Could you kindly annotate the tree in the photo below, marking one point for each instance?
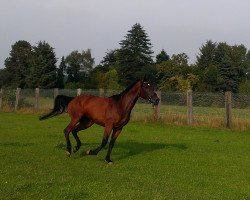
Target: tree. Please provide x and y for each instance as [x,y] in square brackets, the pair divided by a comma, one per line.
[109,59]
[87,62]
[181,83]
[60,74]
[73,65]
[4,78]
[78,67]
[43,70]
[206,56]
[221,67]
[231,62]
[18,64]
[162,56]
[134,57]
[112,80]
[176,66]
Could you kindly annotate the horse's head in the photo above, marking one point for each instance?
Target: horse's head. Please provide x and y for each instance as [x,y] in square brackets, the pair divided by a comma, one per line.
[147,92]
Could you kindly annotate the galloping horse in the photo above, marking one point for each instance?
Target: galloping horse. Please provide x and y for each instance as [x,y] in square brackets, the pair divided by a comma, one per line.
[112,113]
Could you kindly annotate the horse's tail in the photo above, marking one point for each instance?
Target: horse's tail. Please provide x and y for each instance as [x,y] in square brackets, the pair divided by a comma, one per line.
[60,105]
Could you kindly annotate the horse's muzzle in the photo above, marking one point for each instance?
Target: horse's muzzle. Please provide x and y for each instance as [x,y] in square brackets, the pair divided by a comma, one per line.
[154,101]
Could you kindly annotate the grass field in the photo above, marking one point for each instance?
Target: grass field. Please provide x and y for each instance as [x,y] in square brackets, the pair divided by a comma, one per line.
[151,161]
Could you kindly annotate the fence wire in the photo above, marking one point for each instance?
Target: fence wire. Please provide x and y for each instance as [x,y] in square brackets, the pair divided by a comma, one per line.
[208,108]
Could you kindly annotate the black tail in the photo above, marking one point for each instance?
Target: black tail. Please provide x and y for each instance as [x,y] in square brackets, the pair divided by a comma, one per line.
[60,105]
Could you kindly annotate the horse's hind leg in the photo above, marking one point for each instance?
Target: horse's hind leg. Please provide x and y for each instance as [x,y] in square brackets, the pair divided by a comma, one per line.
[84,124]
[67,131]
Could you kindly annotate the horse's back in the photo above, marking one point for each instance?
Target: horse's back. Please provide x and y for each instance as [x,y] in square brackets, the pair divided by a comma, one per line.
[93,107]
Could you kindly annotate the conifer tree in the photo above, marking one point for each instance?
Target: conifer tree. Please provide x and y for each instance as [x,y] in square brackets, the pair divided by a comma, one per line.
[134,58]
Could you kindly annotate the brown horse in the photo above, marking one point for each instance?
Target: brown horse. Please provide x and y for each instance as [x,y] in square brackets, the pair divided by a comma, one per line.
[112,113]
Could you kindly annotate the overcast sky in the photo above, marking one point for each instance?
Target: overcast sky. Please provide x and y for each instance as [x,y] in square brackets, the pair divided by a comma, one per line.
[174,25]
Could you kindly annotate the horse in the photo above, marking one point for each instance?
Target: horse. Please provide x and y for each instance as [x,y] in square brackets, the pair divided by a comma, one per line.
[113,113]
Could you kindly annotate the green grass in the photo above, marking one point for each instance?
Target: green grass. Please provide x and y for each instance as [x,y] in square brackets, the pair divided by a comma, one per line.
[151,161]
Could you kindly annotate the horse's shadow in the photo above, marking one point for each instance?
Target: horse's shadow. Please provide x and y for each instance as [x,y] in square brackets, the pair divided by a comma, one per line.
[132,148]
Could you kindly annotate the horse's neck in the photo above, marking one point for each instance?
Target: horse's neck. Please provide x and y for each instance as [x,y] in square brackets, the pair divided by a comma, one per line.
[129,99]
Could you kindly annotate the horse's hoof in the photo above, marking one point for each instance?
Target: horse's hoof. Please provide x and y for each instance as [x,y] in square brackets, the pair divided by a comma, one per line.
[88,152]
[110,163]
[68,153]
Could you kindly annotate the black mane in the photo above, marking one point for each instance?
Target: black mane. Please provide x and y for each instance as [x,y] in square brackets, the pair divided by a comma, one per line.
[118,96]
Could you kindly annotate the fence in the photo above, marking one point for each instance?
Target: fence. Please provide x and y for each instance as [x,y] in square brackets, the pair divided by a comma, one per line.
[191,108]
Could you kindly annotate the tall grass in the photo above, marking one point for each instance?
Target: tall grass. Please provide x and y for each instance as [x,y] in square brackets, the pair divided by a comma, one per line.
[213,117]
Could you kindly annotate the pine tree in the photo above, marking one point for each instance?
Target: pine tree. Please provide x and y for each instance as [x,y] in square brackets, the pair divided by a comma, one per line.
[109,59]
[134,57]
[18,63]
[162,56]
[43,70]
[60,74]
[206,55]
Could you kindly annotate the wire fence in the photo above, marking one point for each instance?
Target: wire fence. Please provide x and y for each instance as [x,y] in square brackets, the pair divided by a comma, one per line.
[206,109]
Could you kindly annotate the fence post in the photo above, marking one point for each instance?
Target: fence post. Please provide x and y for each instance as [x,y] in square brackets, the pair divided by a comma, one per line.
[36,98]
[228,107]
[56,92]
[18,90]
[101,92]
[156,108]
[189,107]
[78,91]
[1,98]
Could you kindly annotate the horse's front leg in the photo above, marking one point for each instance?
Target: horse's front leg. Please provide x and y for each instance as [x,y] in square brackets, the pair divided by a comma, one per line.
[116,133]
[105,138]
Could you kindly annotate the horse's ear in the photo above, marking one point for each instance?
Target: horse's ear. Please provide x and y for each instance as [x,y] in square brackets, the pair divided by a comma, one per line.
[144,78]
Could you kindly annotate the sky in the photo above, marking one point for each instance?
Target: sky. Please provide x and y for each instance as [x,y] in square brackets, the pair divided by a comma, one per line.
[173,25]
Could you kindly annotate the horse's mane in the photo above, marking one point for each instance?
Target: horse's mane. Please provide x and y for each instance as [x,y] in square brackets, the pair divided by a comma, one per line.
[118,96]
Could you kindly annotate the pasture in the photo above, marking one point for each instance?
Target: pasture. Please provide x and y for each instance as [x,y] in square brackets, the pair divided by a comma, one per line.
[151,161]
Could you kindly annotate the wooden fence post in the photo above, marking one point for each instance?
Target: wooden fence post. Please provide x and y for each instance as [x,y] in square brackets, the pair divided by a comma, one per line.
[56,92]
[1,98]
[101,92]
[189,107]
[228,107]
[36,98]
[18,91]
[156,109]
[78,91]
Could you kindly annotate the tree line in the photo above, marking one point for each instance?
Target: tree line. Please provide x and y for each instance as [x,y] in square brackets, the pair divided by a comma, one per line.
[219,67]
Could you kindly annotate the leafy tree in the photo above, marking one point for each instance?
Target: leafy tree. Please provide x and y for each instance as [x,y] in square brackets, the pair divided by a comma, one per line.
[162,56]
[87,62]
[112,80]
[43,70]
[134,57]
[244,88]
[79,66]
[176,66]
[181,83]
[18,63]
[73,64]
